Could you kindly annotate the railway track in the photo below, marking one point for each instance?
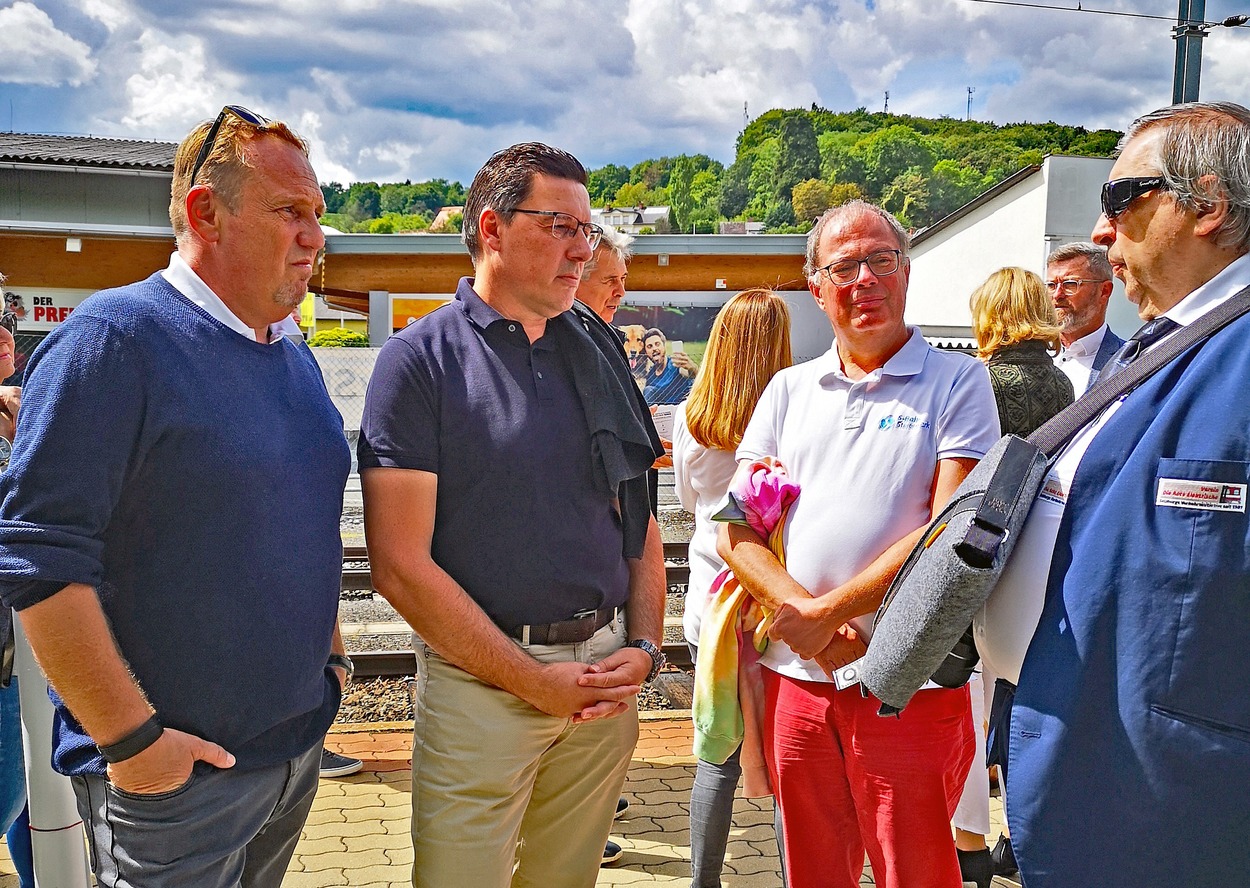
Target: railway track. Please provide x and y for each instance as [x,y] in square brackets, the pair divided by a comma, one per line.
[396,663]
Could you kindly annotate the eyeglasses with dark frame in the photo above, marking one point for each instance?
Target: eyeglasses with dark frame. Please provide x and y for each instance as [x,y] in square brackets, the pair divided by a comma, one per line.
[1069,286]
[564,226]
[882,263]
[238,111]
[1119,194]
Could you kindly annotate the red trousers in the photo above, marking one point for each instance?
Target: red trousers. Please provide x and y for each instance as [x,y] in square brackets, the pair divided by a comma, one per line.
[850,781]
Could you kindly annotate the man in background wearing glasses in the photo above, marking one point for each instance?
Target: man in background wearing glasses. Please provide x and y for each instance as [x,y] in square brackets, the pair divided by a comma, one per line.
[1128,631]
[878,432]
[1078,279]
[503,453]
[169,533]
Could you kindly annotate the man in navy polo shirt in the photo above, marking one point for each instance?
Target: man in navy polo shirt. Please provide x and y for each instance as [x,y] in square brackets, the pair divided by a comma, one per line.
[503,454]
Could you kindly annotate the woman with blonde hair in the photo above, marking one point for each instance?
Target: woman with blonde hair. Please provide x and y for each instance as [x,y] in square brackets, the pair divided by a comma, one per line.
[748,344]
[1017,332]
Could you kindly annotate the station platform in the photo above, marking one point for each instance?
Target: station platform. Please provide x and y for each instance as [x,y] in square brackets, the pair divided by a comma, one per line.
[357,833]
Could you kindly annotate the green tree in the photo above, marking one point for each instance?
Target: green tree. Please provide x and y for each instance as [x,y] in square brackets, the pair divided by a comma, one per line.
[680,201]
[604,182]
[333,194]
[907,197]
[844,192]
[798,156]
[810,198]
[951,185]
[735,188]
[364,201]
[781,214]
[889,153]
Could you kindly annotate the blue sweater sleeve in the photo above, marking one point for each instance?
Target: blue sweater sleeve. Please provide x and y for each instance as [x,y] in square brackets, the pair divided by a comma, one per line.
[79,433]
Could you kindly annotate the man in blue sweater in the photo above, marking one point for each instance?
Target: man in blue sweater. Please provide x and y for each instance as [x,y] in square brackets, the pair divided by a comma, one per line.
[181,600]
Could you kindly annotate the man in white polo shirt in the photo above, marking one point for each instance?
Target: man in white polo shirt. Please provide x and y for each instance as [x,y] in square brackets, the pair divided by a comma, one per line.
[1078,279]
[1123,615]
[878,432]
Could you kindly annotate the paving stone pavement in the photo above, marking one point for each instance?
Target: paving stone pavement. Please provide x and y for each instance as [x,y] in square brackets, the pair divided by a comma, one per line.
[357,832]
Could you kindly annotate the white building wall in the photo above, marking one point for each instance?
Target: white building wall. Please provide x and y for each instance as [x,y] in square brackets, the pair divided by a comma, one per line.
[1058,204]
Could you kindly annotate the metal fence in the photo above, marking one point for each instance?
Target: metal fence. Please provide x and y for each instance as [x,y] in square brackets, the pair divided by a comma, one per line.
[346,372]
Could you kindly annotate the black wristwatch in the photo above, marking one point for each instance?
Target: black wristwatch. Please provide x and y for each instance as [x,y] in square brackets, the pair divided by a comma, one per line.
[344,662]
[658,660]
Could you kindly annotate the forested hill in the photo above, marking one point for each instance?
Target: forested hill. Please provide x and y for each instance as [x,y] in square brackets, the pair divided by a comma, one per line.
[789,166]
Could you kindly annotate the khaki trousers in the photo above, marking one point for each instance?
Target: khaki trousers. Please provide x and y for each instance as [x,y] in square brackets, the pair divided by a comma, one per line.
[504,795]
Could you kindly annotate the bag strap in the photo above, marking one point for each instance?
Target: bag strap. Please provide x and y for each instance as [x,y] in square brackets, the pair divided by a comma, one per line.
[1005,489]
[1056,432]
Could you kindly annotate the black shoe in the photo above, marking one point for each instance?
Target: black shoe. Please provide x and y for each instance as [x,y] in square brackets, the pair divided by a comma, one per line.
[975,868]
[335,765]
[1004,857]
[622,805]
[612,854]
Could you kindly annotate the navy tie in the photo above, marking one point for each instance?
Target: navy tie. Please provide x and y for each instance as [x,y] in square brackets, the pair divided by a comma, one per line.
[1150,333]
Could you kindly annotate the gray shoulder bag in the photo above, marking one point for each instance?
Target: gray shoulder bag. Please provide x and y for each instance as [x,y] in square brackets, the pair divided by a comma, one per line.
[922,629]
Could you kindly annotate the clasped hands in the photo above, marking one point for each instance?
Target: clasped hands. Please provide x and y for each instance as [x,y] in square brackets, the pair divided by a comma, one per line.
[584,692]
[805,625]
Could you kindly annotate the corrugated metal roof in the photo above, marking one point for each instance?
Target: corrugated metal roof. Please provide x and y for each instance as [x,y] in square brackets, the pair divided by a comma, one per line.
[88,151]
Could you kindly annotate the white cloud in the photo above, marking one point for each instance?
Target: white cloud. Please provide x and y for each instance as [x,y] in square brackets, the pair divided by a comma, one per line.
[33,51]
[113,14]
[174,88]
[395,89]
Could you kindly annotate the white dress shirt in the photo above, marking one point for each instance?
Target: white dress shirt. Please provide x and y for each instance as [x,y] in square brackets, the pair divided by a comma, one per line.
[183,278]
[1077,360]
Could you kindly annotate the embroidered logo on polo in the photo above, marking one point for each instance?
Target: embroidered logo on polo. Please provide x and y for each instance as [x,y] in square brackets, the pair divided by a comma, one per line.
[903,423]
[1208,496]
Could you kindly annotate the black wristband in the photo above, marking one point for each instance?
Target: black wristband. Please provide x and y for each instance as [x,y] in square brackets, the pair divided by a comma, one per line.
[133,743]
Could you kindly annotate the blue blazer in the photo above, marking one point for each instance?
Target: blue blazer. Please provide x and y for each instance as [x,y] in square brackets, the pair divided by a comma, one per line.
[1110,345]
[1129,743]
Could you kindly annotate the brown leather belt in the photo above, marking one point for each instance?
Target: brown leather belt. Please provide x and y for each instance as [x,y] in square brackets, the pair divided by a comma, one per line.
[573,631]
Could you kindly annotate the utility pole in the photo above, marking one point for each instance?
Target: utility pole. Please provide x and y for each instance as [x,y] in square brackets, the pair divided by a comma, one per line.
[745,119]
[886,110]
[1188,35]
[971,90]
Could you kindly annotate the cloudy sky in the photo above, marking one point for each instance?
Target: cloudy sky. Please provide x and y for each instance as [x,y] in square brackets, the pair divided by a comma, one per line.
[416,89]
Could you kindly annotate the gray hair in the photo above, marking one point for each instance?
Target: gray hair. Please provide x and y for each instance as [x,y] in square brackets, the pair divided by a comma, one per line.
[613,241]
[1204,141]
[1093,254]
[840,213]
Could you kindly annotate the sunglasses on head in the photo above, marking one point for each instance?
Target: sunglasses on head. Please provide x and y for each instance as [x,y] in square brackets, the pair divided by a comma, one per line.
[238,111]
[1119,194]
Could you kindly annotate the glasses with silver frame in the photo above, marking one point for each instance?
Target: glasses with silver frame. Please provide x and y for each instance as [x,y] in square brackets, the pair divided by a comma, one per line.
[564,226]
[882,263]
[238,111]
[1069,286]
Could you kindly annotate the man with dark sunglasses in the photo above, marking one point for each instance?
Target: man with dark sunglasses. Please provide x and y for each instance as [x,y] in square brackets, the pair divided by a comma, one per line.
[503,453]
[1123,616]
[169,533]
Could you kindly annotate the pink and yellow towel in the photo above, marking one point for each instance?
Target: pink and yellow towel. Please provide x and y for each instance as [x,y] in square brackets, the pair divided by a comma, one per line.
[728,692]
